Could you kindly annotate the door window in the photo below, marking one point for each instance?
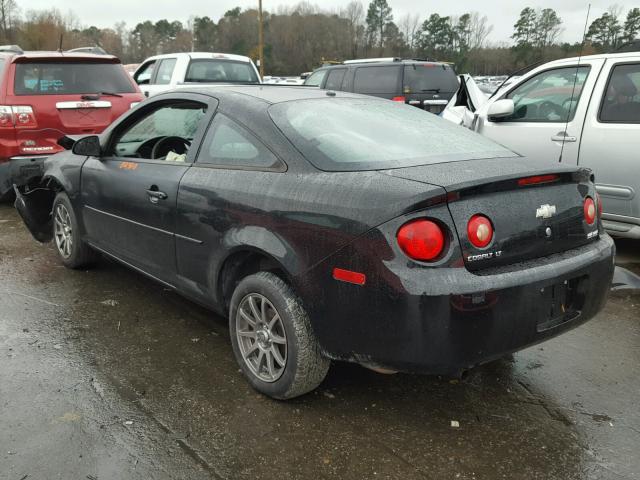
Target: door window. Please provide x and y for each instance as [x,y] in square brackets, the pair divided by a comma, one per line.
[548,97]
[165,133]
[334,79]
[315,79]
[227,144]
[380,80]
[143,77]
[165,71]
[621,103]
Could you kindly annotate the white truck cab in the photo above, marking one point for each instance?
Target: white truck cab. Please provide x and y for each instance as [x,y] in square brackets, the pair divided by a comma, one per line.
[178,70]
[583,111]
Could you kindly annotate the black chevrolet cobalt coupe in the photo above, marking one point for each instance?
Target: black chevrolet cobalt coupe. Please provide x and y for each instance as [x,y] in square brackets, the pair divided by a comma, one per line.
[331,226]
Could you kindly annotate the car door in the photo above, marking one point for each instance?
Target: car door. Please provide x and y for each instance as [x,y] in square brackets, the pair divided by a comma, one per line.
[155,76]
[548,115]
[129,194]
[611,142]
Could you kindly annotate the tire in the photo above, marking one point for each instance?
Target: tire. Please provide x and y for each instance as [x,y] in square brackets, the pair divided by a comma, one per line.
[73,252]
[294,370]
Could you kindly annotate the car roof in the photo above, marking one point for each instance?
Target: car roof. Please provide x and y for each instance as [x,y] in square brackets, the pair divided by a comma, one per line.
[196,55]
[385,63]
[268,93]
[598,56]
[17,57]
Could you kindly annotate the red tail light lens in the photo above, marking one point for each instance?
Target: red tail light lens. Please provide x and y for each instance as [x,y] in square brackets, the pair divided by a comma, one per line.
[599,202]
[17,116]
[399,99]
[421,239]
[480,231]
[589,210]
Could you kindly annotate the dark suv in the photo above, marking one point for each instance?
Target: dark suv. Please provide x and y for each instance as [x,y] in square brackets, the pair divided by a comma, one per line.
[424,84]
[45,95]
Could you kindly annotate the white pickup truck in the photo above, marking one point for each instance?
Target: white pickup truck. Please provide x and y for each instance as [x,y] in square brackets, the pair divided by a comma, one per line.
[179,70]
[582,111]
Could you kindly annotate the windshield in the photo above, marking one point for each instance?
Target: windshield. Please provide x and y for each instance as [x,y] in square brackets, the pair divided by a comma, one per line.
[62,78]
[429,78]
[346,134]
[210,70]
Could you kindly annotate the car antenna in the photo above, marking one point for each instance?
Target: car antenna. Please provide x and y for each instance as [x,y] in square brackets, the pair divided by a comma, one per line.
[573,90]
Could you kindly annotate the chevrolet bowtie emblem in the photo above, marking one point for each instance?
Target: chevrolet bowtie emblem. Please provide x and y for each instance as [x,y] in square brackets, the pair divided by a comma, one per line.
[546,211]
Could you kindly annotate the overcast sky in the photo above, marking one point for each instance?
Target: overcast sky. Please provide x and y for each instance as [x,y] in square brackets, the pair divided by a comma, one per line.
[502,14]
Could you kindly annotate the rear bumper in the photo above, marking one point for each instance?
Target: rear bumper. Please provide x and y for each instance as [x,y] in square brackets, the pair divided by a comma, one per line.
[20,170]
[446,320]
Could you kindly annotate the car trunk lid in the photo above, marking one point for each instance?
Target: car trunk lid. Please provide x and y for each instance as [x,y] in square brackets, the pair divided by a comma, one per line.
[534,213]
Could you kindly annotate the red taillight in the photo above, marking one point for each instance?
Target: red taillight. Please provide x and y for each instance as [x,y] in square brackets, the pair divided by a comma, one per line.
[398,99]
[17,116]
[599,202]
[480,231]
[537,179]
[589,210]
[421,239]
[349,276]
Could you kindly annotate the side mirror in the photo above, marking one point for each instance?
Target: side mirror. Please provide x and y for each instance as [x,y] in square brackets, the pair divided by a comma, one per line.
[500,109]
[87,146]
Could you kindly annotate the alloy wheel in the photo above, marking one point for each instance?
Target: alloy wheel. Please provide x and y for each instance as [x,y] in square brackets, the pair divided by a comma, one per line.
[261,337]
[63,233]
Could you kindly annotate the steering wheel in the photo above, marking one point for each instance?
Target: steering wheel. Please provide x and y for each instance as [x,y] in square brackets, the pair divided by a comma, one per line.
[165,145]
[547,108]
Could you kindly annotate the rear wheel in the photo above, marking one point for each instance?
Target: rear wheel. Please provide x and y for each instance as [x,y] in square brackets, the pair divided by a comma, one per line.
[73,252]
[272,338]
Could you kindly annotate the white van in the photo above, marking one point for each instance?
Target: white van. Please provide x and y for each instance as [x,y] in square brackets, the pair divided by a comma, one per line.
[177,70]
[582,111]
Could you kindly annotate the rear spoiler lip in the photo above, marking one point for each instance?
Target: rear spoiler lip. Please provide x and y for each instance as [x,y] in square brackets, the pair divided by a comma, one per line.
[465,188]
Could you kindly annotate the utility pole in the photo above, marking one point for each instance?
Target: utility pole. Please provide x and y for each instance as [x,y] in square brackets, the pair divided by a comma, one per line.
[260,39]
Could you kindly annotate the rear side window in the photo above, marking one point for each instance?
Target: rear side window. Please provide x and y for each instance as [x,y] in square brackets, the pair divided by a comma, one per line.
[315,79]
[143,76]
[348,134]
[165,71]
[224,71]
[429,78]
[621,103]
[380,80]
[334,79]
[70,78]
[228,144]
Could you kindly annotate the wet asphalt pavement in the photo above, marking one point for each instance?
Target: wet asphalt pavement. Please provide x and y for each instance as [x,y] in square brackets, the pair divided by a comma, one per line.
[106,375]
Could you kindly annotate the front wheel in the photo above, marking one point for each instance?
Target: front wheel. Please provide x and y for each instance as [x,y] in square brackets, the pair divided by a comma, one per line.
[73,252]
[272,338]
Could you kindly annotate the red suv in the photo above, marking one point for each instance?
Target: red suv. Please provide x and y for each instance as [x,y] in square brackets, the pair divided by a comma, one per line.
[45,95]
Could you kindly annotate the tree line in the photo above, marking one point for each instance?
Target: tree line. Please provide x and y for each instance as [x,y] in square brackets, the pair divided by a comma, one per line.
[302,37]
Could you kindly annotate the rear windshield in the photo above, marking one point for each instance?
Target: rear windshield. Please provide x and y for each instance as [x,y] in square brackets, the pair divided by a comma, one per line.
[70,78]
[429,78]
[346,134]
[224,71]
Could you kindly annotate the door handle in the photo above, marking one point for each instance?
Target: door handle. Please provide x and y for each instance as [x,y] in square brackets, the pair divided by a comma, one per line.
[563,137]
[155,194]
